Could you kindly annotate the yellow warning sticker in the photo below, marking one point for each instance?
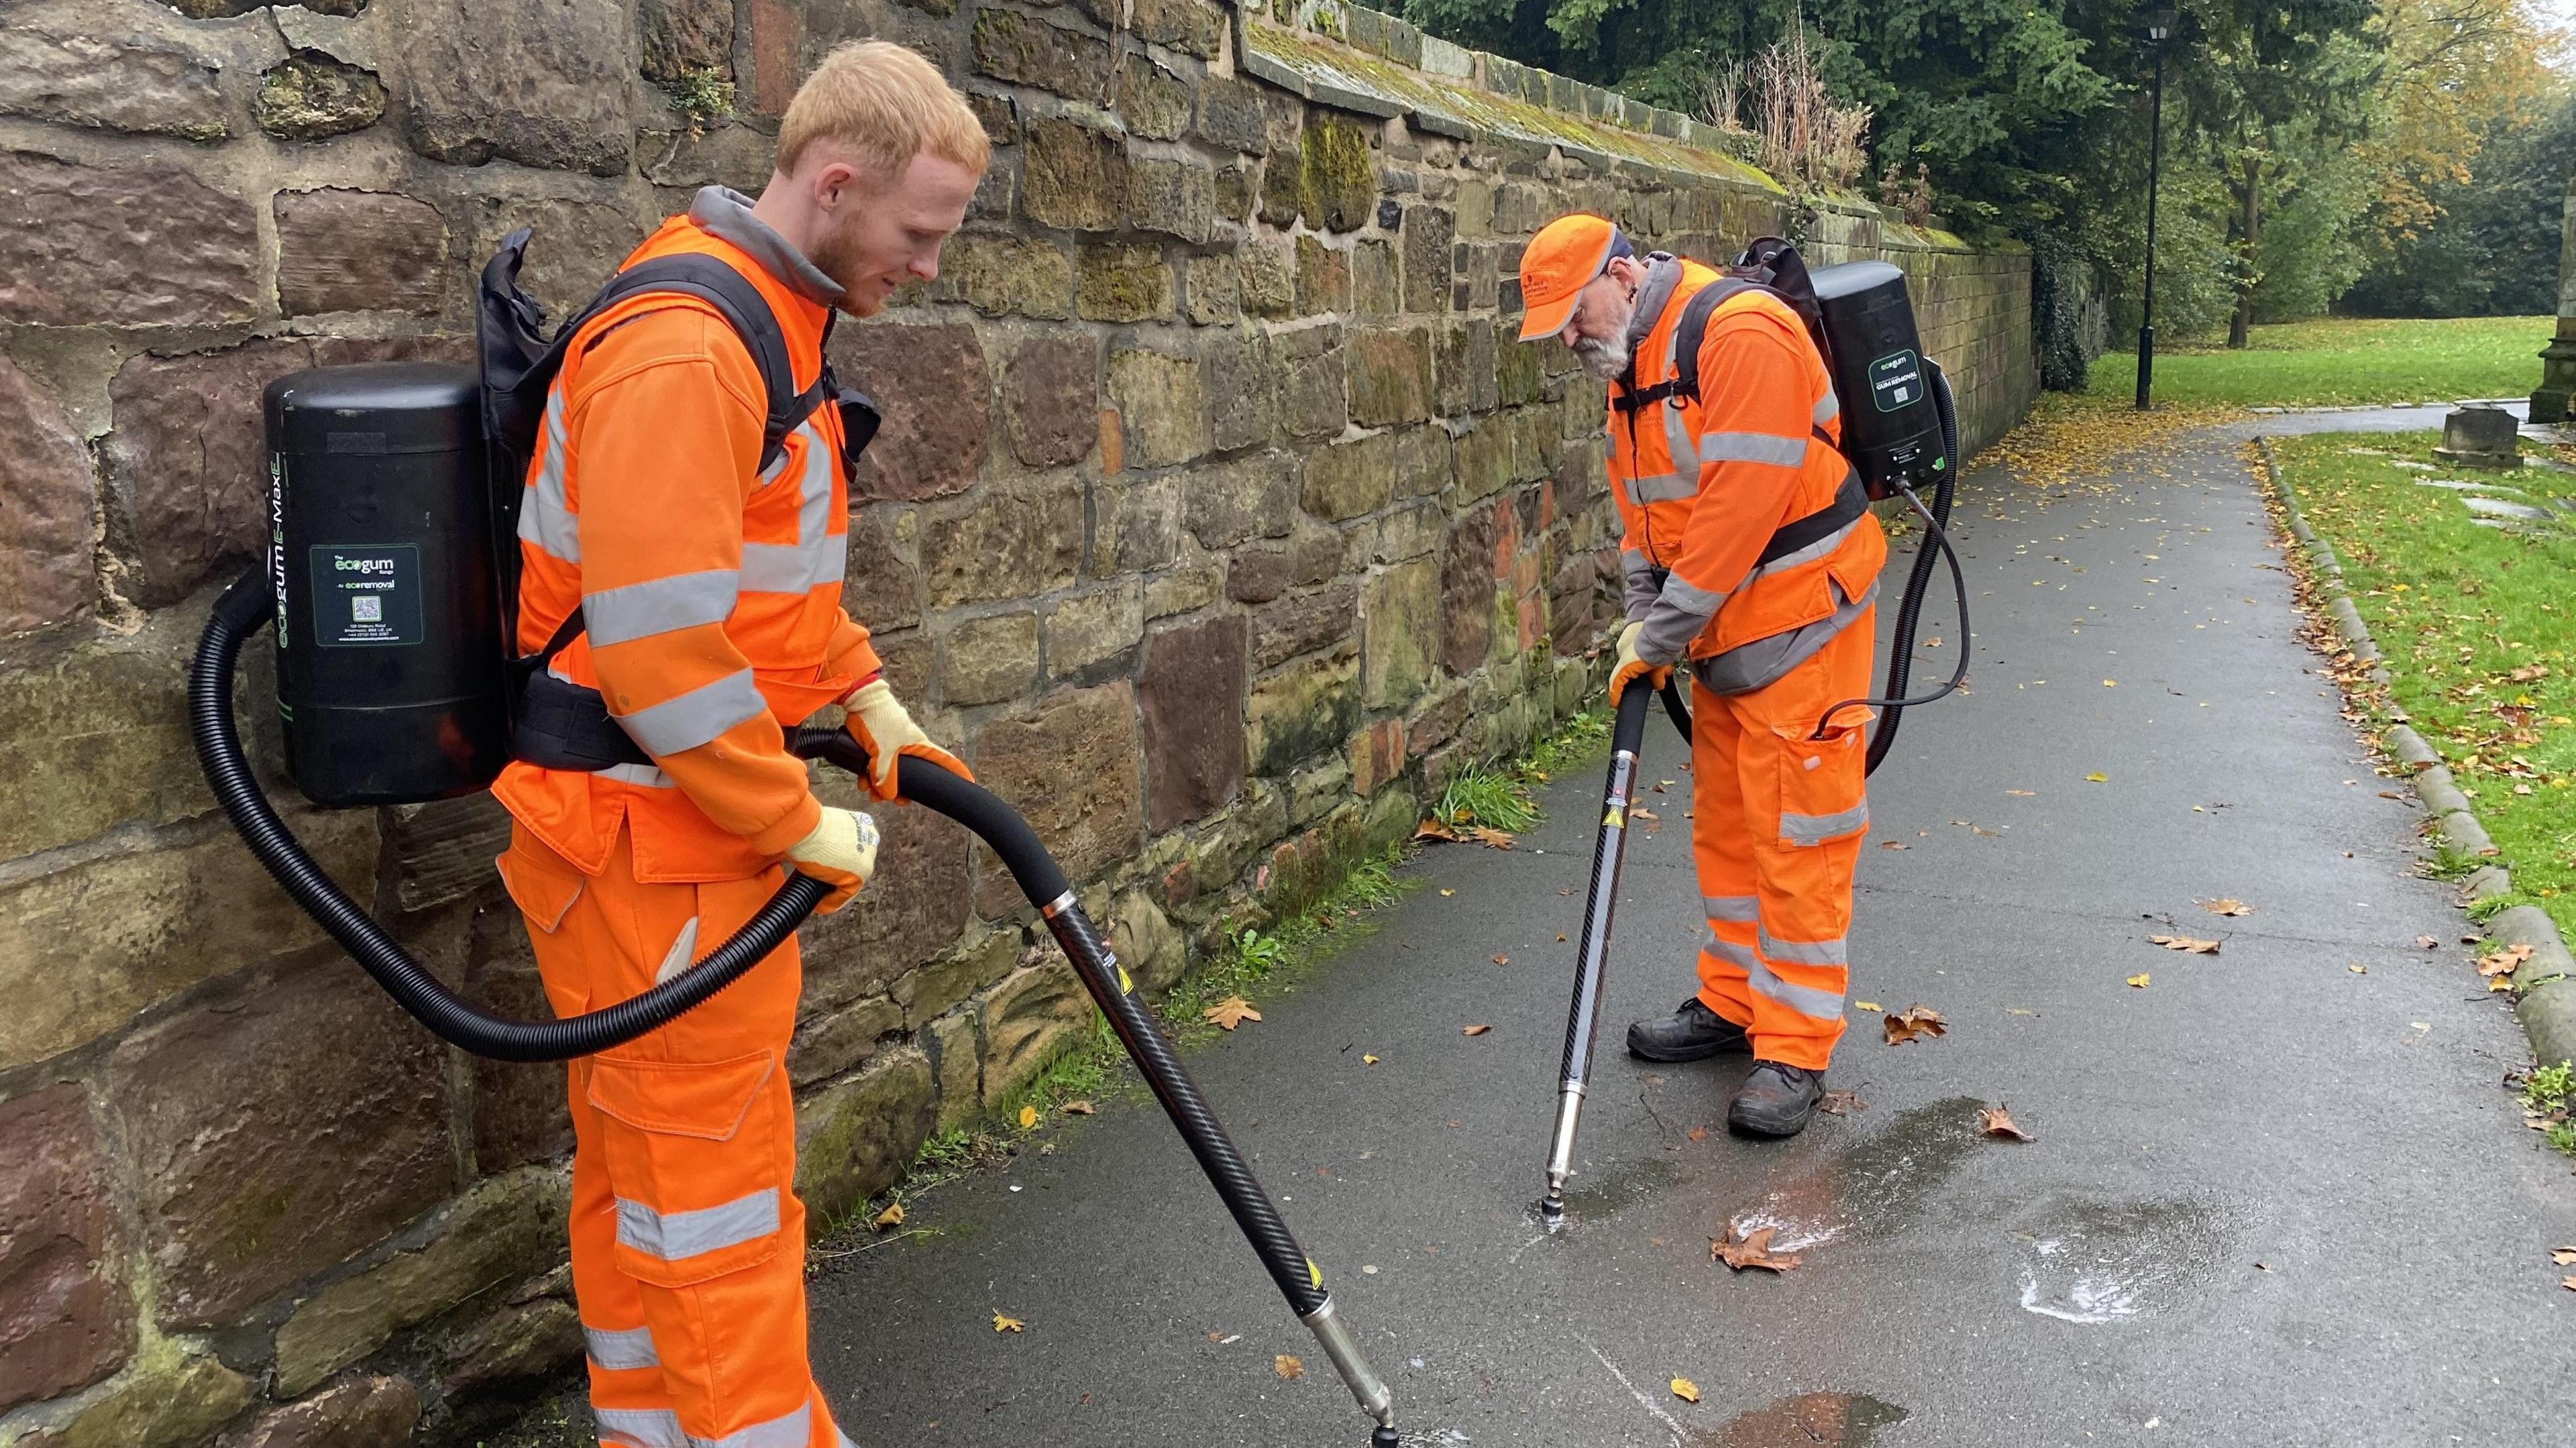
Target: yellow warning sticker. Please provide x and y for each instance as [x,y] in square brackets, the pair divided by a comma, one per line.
[1615,819]
[1314,1274]
[1126,986]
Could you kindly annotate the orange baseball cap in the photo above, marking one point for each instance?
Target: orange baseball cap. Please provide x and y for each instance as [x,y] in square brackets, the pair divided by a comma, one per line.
[1560,261]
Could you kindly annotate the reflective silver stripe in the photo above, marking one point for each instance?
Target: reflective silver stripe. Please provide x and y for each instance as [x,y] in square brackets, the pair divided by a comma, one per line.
[647,775]
[1729,907]
[1663,488]
[1798,829]
[1827,408]
[1792,952]
[640,1427]
[659,606]
[818,556]
[1752,447]
[1821,548]
[1634,560]
[788,1430]
[794,567]
[1822,1005]
[546,517]
[673,1236]
[1692,599]
[1732,953]
[814,505]
[619,1350]
[697,716]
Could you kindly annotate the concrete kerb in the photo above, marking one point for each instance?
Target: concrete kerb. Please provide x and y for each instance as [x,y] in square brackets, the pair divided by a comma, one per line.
[2545,984]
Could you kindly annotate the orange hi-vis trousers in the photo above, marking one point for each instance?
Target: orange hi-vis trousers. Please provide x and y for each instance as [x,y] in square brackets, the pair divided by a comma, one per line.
[1777,821]
[688,1242]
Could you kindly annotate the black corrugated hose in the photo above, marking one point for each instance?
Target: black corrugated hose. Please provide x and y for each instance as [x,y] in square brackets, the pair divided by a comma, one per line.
[1043,882]
[242,610]
[1909,611]
[248,605]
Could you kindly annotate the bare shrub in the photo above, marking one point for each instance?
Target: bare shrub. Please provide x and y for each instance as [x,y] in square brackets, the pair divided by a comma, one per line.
[1802,136]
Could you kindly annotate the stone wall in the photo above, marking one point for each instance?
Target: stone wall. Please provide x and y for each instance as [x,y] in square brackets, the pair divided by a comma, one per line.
[1216,519]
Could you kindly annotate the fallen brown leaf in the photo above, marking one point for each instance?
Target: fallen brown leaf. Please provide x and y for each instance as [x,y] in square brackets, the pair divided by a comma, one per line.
[2187,944]
[1473,1030]
[1751,1250]
[1008,1324]
[2023,793]
[2427,942]
[1492,838]
[1232,1012]
[1996,1120]
[1434,829]
[1502,959]
[1917,1020]
[1287,1366]
[1697,1133]
[2141,980]
[1028,1117]
[2563,1256]
[1841,1103]
[1079,1108]
[1644,814]
[1894,845]
[2503,962]
[2224,906]
[892,1216]
[1686,1390]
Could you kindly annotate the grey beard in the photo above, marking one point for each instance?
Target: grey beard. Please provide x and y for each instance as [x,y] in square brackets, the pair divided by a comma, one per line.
[1604,360]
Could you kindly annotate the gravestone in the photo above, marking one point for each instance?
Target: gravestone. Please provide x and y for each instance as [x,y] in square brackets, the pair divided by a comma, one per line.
[2480,437]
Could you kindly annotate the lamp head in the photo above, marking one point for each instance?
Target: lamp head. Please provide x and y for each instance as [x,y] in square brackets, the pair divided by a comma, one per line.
[2160,25]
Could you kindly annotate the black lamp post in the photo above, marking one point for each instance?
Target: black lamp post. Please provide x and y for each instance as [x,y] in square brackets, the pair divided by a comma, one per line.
[2160,27]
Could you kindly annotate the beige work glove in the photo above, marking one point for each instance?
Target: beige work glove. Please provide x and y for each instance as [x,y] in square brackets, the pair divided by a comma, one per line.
[1631,668]
[841,851]
[878,721]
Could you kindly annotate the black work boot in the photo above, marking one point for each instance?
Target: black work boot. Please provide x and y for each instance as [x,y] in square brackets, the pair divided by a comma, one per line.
[1776,1100]
[1693,1033]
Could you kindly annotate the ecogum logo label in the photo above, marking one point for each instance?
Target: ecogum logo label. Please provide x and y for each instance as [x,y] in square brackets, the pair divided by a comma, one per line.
[363,565]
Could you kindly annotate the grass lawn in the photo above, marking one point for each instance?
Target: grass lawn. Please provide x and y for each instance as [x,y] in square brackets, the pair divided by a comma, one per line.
[2335,360]
[2478,626]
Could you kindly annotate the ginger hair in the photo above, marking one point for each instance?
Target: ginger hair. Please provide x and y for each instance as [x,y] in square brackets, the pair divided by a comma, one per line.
[885,105]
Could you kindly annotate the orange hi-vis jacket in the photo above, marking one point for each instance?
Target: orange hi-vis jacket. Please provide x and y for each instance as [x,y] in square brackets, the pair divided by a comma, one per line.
[1702,485]
[710,589]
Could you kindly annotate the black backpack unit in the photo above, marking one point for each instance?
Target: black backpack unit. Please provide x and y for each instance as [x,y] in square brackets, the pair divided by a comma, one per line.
[556,724]
[1862,324]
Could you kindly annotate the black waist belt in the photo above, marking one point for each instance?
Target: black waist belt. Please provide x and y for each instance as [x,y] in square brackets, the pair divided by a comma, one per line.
[563,725]
[1850,501]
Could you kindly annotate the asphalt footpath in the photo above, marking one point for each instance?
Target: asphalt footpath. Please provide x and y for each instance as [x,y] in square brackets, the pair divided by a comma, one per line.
[2278,1194]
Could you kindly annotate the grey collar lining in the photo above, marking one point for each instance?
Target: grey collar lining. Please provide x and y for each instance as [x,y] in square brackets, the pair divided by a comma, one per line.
[726,213]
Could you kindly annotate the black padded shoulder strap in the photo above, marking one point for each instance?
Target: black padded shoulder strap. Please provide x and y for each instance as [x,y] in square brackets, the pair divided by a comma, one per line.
[1693,328]
[705,277]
